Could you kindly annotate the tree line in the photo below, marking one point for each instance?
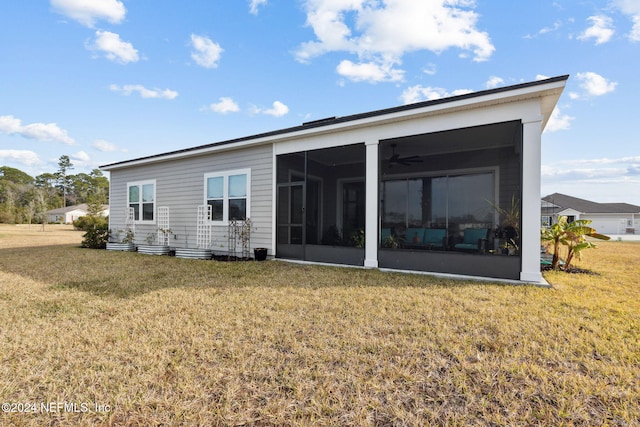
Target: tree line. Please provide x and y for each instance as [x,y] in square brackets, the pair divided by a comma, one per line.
[25,199]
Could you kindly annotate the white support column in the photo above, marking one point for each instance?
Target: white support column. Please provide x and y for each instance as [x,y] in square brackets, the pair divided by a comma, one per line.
[371,216]
[530,234]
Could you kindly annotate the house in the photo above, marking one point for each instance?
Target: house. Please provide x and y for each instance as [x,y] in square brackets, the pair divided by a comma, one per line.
[606,218]
[415,187]
[69,214]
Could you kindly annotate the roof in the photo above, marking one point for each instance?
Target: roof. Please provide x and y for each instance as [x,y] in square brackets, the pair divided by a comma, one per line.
[526,90]
[562,201]
[81,207]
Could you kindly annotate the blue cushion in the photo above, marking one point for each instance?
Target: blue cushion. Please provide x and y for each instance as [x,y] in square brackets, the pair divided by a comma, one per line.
[472,235]
[434,236]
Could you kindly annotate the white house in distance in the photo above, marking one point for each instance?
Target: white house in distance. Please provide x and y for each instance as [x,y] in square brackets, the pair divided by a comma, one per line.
[606,218]
[70,213]
[408,188]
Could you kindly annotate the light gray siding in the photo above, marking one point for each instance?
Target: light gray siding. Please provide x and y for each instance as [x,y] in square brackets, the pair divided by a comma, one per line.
[180,187]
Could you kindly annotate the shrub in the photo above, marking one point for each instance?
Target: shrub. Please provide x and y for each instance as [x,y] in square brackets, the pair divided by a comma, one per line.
[96,230]
[84,222]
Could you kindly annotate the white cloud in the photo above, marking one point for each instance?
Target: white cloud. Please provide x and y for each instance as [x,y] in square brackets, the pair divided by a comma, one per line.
[226,105]
[541,77]
[114,49]
[603,161]
[381,33]
[420,93]
[556,26]
[601,29]
[494,82]
[631,8]
[634,35]
[594,84]
[605,179]
[38,131]
[558,121]
[206,53]
[88,12]
[144,92]
[106,146]
[430,70]
[369,72]
[80,157]
[23,157]
[254,4]
[278,110]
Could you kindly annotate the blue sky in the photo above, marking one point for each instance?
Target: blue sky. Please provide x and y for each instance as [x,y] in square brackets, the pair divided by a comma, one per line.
[110,80]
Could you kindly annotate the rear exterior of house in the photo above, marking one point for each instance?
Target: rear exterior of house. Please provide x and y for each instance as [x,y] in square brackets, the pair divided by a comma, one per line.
[448,186]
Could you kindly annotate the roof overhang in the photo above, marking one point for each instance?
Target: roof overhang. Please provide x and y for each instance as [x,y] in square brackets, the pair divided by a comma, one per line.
[548,91]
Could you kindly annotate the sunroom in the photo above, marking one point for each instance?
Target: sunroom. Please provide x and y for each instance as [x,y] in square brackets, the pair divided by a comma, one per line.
[443,200]
[450,201]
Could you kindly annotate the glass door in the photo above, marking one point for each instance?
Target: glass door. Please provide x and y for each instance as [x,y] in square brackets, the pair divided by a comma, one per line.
[290,222]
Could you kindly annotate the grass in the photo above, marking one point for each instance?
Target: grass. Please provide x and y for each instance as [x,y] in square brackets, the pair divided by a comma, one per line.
[166,341]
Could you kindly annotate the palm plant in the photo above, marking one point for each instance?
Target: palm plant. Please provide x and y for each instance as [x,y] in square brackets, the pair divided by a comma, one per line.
[576,241]
[573,235]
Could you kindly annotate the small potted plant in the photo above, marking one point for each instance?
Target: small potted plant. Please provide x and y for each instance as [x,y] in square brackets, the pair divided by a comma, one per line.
[260,254]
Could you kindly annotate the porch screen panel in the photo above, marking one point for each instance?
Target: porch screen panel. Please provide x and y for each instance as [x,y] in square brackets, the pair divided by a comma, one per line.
[469,200]
[451,202]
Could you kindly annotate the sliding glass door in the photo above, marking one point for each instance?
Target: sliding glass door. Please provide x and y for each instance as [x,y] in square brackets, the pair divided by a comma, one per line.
[321,204]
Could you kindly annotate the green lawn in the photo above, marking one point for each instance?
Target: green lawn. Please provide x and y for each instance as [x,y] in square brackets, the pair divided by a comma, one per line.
[129,339]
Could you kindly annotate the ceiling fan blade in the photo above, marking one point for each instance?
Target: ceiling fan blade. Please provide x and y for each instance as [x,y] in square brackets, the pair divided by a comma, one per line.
[404,161]
[411,158]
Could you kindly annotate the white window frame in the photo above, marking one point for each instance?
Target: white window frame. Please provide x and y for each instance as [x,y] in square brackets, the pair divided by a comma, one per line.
[225,198]
[140,202]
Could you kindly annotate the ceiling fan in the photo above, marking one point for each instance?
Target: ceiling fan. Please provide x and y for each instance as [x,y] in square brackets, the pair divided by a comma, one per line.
[403,161]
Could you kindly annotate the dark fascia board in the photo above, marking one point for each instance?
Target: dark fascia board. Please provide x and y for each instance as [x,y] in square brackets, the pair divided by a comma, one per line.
[336,120]
[562,201]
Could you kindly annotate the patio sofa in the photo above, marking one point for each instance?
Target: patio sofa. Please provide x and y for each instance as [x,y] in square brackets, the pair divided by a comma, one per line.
[425,238]
[474,240]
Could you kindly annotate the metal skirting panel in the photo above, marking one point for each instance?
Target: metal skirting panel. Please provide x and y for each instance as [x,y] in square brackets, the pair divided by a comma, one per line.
[498,266]
[322,253]
[335,254]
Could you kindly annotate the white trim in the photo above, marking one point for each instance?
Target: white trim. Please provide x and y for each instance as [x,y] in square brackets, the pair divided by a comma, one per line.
[140,202]
[274,196]
[546,95]
[225,189]
[530,212]
[372,202]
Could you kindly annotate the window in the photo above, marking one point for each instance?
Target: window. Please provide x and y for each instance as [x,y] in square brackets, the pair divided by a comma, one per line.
[228,194]
[141,197]
[449,202]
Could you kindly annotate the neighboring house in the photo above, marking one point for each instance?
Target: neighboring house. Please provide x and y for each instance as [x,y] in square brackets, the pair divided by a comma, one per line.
[606,218]
[71,213]
[408,188]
